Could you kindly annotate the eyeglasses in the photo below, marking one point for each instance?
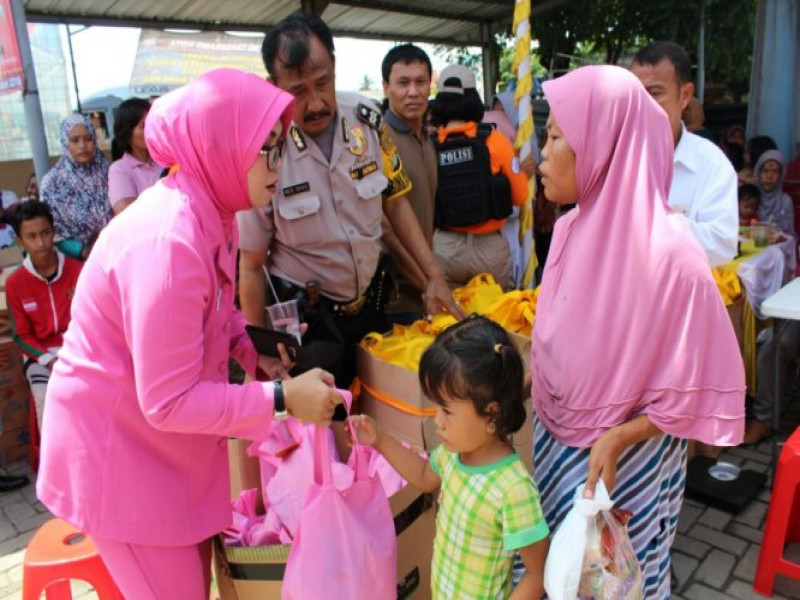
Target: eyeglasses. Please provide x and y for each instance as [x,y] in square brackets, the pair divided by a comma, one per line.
[273,153]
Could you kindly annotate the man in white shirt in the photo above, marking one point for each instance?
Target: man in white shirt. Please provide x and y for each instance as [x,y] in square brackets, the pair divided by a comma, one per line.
[703,182]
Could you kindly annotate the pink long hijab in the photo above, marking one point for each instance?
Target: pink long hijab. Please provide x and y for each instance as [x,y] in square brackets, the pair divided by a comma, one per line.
[629,319]
[213,128]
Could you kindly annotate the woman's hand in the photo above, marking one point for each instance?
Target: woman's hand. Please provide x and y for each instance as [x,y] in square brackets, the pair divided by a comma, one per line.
[311,396]
[775,234]
[364,429]
[603,461]
[610,445]
[276,368]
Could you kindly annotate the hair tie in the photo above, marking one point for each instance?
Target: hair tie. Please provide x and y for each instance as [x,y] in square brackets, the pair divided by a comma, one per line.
[498,349]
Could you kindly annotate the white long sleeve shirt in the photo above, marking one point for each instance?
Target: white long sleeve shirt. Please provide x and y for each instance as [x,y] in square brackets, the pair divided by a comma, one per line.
[704,190]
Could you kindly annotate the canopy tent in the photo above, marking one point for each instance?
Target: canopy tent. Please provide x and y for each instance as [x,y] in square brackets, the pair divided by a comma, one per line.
[454,23]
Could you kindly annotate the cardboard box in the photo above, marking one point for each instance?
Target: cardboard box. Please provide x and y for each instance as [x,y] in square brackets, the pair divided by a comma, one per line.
[256,573]
[391,395]
[11,371]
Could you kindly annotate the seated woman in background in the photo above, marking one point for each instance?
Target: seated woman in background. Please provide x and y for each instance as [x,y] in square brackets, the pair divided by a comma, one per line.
[76,188]
[753,149]
[132,171]
[479,180]
[775,207]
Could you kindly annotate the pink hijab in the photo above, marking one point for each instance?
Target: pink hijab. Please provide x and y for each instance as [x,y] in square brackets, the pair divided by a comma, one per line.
[629,319]
[213,128]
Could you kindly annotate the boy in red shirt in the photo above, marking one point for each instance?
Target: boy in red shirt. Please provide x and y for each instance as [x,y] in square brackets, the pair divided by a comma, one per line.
[39,295]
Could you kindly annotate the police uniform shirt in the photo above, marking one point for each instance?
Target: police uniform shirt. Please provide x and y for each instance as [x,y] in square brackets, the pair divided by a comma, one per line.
[420,164]
[325,221]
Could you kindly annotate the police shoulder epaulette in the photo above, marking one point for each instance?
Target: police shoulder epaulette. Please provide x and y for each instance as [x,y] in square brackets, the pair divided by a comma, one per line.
[297,138]
[369,115]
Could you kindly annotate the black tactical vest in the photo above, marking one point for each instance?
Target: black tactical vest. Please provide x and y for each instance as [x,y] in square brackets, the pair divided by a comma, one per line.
[468,193]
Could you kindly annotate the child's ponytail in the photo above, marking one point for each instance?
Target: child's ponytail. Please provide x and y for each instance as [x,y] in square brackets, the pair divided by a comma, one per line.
[511,416]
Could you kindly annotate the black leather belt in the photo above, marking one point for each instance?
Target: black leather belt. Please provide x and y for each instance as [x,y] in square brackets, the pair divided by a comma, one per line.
[339,309]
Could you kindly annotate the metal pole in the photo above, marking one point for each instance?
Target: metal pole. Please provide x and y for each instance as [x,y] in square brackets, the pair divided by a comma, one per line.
[488,60]
[72,66]
[30,95]
[701,54]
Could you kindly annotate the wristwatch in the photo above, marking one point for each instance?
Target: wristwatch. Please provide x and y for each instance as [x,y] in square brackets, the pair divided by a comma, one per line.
[277,396]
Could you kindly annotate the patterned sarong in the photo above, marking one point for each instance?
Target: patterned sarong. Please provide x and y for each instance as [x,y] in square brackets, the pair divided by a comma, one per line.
[650,481]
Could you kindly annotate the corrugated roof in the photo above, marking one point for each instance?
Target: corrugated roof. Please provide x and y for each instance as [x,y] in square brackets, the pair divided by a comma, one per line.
[454,22]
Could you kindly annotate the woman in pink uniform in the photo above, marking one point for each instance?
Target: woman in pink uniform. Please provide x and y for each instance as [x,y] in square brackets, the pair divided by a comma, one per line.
[139,405]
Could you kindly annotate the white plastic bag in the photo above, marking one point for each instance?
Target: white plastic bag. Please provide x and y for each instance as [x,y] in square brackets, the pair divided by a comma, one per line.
[591,555]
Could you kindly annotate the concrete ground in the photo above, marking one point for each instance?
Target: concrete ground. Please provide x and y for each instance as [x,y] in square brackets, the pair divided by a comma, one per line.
[714,555]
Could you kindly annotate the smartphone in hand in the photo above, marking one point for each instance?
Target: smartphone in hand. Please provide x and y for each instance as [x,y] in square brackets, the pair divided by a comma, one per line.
[266,341]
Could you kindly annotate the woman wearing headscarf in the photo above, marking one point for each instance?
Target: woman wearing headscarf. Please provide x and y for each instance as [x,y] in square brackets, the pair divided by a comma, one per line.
[139,406]
[632,352]
[505,121]
[775,207]
[76,188]
[753,149]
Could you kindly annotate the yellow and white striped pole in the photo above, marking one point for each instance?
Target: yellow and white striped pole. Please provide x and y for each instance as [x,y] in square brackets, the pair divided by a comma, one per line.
[525,133]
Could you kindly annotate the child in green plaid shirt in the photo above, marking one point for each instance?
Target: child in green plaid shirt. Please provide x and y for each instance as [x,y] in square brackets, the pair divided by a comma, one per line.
[489,505]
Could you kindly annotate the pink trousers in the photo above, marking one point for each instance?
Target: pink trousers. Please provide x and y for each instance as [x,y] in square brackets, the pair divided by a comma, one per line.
[158,572]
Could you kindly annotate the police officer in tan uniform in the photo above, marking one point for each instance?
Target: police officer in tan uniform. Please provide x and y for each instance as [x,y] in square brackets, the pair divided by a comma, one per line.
[340,177]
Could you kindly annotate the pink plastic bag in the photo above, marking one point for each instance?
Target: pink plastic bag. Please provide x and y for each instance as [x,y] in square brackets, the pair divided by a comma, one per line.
[244,517]
[345,547]
[286,489]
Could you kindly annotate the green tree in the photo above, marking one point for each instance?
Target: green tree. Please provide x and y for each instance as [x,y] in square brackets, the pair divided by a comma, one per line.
[610,31]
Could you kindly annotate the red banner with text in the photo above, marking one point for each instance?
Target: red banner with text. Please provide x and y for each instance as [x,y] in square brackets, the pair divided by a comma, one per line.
[11,75]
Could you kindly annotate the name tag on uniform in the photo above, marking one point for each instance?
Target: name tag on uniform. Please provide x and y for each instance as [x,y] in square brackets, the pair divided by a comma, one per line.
[363,171]
[298,188]
[30,305]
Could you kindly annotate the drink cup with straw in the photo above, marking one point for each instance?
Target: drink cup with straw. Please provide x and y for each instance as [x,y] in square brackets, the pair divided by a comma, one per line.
[283,316]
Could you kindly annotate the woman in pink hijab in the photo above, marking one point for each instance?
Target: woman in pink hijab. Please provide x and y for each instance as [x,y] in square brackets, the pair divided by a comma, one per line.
[633,352]
[134,448]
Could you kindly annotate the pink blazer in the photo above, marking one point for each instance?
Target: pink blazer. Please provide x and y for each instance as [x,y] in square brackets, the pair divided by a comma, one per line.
[138,408]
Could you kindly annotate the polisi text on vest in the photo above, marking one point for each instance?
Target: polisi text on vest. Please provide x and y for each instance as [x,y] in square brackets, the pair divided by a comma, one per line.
[455,156]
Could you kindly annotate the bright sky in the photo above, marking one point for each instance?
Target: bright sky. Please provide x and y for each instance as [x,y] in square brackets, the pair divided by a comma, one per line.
[104,58]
